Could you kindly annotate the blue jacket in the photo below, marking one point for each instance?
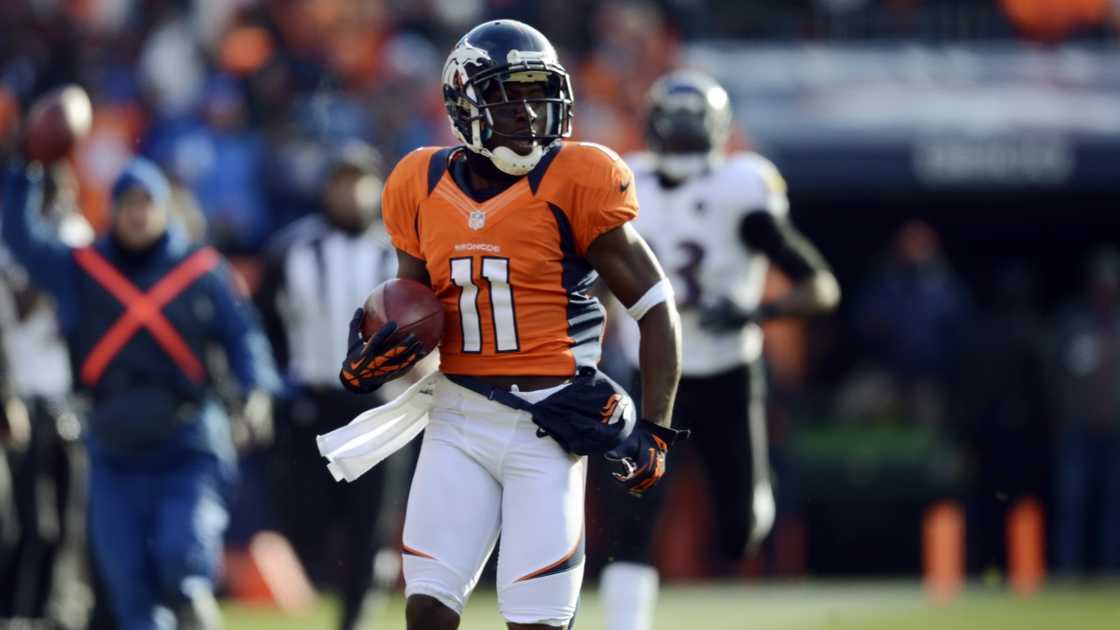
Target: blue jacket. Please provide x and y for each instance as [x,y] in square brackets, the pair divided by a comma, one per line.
[145,411]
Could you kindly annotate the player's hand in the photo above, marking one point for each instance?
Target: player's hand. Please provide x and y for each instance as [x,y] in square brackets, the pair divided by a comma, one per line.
[726,316]
[643,455]
[370,364]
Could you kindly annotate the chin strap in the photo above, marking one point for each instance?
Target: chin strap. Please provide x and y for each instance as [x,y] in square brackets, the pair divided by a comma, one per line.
[513,163]
[504,159]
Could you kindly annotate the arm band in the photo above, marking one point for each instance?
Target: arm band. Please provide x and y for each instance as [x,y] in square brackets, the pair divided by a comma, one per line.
[658,293]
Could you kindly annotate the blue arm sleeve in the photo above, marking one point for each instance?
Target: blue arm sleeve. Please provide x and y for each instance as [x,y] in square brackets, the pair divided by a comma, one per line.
[247,348]
[35,243]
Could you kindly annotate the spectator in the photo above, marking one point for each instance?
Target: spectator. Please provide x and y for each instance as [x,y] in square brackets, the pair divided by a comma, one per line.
[1087,388]
[912,317]
[139,310]
[219,158]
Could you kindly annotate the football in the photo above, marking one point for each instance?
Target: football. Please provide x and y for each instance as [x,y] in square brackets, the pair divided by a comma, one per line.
[414,307]
[56,121]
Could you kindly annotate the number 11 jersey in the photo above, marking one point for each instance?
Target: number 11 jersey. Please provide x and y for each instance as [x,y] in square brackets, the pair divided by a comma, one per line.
[510,272]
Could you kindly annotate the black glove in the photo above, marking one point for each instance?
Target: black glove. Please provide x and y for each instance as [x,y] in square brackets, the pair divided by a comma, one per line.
[643,455]
[726,316]
[369,365]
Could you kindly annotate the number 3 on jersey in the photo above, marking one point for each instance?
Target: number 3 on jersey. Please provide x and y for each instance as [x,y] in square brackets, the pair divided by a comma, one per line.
[495,271]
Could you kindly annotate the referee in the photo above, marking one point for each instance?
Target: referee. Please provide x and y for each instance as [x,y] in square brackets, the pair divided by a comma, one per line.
[319,270]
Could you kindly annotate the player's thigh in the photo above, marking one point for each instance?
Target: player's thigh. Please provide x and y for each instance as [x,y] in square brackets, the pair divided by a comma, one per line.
[190,522]
[725,445]
[396,473]
[540,563]
[452,519]
[722,440]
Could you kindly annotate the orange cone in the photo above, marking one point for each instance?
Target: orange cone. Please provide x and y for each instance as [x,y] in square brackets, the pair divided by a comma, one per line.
[269,573]
[1026,546]
[943,551]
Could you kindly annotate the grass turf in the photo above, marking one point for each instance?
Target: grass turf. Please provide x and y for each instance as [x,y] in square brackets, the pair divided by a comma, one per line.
[785,606]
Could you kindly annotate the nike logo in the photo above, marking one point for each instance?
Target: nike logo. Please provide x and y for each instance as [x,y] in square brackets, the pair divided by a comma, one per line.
[623,187]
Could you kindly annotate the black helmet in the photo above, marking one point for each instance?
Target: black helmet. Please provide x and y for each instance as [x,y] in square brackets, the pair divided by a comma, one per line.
[475,79]
[688,123]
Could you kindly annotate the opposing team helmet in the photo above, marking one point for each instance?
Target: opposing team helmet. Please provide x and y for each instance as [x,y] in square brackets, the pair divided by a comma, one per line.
[688,123]
[475,80]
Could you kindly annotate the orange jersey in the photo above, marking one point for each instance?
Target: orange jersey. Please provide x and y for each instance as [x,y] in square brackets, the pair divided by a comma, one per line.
[510,271]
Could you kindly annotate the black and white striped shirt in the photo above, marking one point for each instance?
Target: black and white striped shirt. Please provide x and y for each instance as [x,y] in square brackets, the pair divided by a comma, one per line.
[317,275]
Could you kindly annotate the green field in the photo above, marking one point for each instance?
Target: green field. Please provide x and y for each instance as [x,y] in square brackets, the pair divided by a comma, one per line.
[788,606]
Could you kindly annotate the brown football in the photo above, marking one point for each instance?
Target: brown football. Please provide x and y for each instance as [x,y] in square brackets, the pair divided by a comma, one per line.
[414,307]
[57,120]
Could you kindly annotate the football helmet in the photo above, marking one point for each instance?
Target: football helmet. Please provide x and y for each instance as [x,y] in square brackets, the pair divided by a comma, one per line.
[687,124]
[513,127]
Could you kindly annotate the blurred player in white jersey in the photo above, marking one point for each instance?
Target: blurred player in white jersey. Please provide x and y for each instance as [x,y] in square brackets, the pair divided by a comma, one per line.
[715,221]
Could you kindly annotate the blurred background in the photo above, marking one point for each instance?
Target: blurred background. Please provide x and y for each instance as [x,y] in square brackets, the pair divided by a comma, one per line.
[956,161]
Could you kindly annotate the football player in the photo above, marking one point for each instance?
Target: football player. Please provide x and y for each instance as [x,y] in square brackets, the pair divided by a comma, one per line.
[510,229]
[716,221]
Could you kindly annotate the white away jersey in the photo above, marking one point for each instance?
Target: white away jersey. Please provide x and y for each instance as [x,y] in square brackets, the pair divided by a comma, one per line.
[694,229]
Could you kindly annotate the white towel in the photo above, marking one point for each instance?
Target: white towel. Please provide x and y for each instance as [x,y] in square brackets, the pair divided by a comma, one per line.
[379,432]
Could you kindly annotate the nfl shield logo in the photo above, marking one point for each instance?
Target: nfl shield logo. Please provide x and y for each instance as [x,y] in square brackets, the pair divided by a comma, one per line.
[477,220]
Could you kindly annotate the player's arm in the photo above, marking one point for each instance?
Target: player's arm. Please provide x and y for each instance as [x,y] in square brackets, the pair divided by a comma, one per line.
[370,363]
[412,268]
[628,267]
[814,291]
[603,204]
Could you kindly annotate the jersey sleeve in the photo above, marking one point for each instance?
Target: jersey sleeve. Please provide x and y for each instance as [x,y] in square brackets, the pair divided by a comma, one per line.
[400,201]
[762,183]
[604,196]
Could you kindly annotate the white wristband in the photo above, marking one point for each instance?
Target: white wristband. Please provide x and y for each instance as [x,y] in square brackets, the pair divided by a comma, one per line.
[658,293]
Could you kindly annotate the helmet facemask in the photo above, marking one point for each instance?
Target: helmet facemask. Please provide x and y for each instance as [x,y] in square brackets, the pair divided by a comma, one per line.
[511,113]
